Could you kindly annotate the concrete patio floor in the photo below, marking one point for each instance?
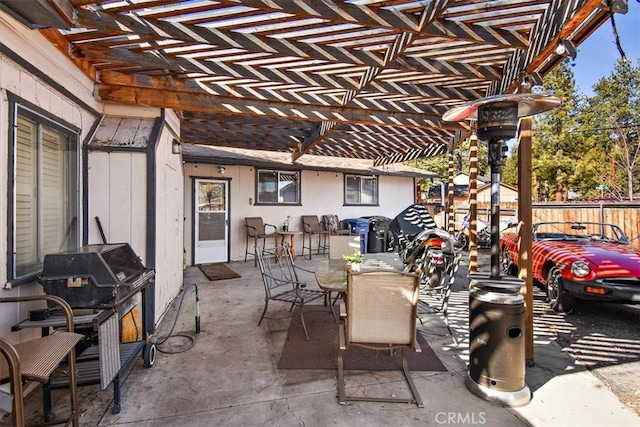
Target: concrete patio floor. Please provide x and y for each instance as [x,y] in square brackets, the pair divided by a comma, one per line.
[230,376]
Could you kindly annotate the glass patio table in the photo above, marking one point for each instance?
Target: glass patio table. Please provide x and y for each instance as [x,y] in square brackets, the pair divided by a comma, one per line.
[331,275]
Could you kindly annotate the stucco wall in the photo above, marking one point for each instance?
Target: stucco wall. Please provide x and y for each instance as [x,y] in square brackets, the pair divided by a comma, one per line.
[322,193]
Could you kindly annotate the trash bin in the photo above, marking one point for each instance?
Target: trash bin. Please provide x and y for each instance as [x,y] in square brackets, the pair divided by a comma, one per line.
[359,226]
[497,364]
[377,237]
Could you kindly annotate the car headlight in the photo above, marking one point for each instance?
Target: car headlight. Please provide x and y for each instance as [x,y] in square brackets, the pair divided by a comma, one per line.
[580,269]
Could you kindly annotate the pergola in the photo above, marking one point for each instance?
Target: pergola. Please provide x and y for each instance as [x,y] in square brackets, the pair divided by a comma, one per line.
[364,79]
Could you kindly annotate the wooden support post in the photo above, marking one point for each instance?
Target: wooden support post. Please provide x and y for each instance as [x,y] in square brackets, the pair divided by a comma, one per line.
[450,216]
[525,229]
[473,203]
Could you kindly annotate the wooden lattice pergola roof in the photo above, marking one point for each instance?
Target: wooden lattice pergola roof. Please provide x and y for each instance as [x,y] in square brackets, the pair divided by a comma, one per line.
[357,78]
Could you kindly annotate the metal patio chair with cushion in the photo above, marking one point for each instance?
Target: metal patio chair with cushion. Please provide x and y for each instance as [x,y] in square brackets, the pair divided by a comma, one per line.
[380,314]
[36,360]
[333,225]
[257,230]
[281,283]
[311,226]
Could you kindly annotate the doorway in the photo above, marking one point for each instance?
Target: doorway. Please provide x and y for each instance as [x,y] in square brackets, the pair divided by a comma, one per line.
[211,221]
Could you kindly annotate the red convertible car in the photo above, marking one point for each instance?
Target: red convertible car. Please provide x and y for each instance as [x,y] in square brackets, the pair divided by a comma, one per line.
[584,260]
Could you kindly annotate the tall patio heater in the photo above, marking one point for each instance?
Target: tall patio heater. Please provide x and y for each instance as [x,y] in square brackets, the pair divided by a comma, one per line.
[497,364]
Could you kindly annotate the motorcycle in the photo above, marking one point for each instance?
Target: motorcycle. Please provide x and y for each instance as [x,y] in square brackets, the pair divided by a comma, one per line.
[421,245]
[483,234]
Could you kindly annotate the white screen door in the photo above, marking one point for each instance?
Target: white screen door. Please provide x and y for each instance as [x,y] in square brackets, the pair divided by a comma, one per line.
[211,221]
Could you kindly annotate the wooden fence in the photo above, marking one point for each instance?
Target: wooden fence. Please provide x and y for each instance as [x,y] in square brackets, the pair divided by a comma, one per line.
[624,215]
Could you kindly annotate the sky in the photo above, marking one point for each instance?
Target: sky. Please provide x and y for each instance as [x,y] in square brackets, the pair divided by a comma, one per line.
[598,54]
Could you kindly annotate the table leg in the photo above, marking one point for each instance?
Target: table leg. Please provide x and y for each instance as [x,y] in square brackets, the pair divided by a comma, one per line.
[293,248]
[282,237]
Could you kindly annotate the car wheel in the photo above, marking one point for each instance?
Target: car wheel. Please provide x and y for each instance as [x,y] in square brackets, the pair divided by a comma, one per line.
[507,266]
[559,299]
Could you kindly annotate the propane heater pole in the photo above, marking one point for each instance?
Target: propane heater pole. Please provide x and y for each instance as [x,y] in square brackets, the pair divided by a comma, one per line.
[496,153]
[497,122]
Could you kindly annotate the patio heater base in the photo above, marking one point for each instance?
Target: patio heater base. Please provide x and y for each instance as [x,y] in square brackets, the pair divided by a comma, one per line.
[503,398]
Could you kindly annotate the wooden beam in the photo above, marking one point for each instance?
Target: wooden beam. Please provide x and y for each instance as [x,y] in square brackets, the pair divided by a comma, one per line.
[208,103]
[430,150]
[560,20]
[396,49]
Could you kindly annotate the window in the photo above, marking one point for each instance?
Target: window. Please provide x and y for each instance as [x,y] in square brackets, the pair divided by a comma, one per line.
[43,201]
[360,190]
[278,187]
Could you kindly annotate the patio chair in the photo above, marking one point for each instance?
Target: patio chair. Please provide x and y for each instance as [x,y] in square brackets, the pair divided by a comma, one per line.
[439,295]
[332,225]
[257,230]
[37,359]
[380,314]
[311,227]
[281,283]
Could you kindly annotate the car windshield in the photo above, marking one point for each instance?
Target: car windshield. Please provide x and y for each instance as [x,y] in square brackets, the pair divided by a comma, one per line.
[591,231]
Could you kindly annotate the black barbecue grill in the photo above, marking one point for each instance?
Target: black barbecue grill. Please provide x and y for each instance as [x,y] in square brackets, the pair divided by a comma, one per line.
[95,276]
[103,279]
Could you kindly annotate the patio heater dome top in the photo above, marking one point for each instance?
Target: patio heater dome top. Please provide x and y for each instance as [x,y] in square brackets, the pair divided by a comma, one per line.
[528,105]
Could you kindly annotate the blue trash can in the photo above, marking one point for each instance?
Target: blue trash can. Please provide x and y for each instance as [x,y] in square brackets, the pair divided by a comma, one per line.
[359,226]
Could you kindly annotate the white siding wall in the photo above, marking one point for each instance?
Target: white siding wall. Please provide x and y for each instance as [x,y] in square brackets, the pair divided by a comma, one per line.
[117,181]
[14,79]
[169,220]
[118,195]
[322,193]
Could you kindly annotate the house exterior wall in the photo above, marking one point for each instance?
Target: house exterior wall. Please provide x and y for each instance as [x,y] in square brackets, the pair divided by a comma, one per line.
[117,195]
[118,189]
[116,182]
[24,83]
[321,193]
[507,195]
[169,215]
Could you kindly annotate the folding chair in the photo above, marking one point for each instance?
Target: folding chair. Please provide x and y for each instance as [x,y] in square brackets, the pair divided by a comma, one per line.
[380,314]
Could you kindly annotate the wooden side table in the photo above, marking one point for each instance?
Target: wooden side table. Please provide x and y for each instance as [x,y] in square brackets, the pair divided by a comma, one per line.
[283,236]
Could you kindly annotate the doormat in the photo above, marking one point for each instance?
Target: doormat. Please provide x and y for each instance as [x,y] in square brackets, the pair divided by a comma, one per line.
[320,351]
[218,271]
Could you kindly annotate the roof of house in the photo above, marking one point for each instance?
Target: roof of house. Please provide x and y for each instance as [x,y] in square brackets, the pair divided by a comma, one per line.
[502,184]
[194,153]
